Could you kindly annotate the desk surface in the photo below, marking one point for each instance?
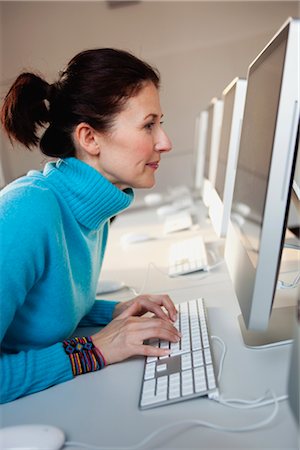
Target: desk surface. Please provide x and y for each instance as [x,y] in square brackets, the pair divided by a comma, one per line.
[101,408]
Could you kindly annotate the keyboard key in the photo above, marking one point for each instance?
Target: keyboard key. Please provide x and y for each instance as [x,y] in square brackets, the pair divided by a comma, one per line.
[187,382]
[162,388]
[210,377]
[200,379]
[149,371]
[197,359]
[186,361]
[151,359]
[207,356]
[161,368]
[174,385]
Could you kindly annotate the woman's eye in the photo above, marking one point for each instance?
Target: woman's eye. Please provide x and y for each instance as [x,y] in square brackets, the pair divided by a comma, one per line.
[150,125]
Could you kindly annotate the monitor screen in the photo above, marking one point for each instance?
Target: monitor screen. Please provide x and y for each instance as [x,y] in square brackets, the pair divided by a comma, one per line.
[224,141]
[210,111]
[256,145]
[263,182]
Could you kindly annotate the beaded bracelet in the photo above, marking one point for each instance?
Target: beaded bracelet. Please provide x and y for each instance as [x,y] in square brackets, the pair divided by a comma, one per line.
[83,354]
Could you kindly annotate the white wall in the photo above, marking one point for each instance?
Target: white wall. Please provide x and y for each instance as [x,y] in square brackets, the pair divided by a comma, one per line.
[199,47]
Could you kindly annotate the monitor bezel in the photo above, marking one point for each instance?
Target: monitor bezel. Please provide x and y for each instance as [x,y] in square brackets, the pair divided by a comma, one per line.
[255,287]
[217,105]
[216,109]
[200,147]
[219,208]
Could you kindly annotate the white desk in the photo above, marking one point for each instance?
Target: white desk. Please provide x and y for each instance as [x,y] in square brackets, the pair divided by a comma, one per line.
[102,408]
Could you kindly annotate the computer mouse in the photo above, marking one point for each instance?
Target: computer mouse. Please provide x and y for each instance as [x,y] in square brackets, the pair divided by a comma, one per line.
[153,199]
[166,210]
[33,437]
[106,286]
[133,238]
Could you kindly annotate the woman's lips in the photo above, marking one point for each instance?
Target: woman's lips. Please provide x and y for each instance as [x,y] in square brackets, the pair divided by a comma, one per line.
[153,165]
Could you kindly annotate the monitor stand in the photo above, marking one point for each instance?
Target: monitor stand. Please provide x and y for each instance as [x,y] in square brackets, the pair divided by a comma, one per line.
[280,329]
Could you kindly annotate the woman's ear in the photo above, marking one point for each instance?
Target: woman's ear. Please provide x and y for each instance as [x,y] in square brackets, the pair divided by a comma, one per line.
[86,138]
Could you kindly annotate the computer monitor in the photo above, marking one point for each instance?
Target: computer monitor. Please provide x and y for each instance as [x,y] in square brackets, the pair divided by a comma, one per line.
[296,182]
[221,196]
[199,149]
[294,372]
[264,177]
[215,111]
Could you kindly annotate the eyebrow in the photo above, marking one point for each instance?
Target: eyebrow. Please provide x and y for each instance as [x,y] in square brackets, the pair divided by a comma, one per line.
[153,115]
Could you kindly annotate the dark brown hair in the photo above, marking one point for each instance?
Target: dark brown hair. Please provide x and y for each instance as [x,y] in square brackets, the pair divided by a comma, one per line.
[92,89]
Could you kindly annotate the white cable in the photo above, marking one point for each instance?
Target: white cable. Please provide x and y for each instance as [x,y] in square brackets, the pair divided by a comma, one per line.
[283,285]
[216,265]
[186,423]
[152,264]
[217,338]
[292,246]
[144,283]
[249,404]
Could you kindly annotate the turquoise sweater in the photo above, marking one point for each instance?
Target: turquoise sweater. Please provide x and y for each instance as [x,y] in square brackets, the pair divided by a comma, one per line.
[54,227]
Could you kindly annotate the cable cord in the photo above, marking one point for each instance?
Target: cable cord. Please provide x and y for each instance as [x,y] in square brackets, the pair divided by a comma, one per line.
[202,275]
[239,403]
[186,423]
[283,285]
[292,246]
[296,282]
[218,339]
[229,402]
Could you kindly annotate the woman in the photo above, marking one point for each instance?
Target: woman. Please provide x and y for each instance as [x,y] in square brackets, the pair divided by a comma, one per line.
[103,121]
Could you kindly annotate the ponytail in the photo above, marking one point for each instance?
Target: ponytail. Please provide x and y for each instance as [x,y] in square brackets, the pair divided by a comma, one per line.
[25,110]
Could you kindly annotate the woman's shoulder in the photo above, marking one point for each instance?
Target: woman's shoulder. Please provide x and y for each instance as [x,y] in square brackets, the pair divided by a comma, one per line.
[29,194]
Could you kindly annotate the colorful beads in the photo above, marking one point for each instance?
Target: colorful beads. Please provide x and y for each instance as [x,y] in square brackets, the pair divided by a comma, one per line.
[83,354]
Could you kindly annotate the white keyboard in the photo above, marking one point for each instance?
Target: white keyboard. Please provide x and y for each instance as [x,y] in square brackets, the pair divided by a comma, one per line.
[188,371]
[178,222]
[187,256]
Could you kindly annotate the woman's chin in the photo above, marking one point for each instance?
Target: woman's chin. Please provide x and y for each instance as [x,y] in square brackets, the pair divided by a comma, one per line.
[145,184]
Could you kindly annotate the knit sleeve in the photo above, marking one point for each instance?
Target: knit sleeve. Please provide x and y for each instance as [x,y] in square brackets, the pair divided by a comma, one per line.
[24,373]
[100,314]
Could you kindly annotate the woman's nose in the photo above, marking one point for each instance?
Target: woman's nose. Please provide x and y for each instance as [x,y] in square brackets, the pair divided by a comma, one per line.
[163,144]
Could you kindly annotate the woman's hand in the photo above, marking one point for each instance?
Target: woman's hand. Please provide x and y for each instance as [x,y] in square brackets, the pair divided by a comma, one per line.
[149,303]
[124,336]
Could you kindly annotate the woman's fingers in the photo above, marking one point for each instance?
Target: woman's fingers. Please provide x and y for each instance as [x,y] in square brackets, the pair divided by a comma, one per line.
[165,300]
[149,350]
[131,310]
[149,328]
[154,304]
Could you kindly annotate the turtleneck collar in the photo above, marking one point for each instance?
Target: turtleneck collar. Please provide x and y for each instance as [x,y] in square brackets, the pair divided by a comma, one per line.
[91,197]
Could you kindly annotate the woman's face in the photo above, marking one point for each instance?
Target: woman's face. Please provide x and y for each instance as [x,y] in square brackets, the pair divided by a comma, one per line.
[130,152]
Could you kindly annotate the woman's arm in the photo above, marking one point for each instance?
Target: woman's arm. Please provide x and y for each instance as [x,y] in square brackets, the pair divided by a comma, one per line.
[100,314]
[32,371]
